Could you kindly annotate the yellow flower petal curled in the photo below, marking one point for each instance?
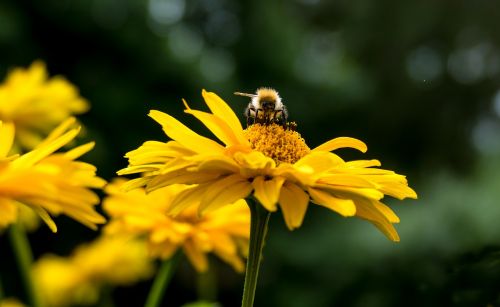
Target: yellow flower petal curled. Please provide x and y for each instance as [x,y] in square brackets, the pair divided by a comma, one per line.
[267,191]
[215,124]
[293,202]
[220,109]
[269,162]
[36,104]
[345,207]
[50,183]
[342,142]
[218,231]
[183,135]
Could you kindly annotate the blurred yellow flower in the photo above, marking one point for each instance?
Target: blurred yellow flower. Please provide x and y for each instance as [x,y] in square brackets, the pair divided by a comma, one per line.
[36,103]
[11,302]
[224,232]
[48,182]
[268,162]
[116,260]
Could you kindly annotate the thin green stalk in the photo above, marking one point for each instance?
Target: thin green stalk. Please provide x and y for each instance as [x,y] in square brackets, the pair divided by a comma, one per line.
[259,219]
[162,280]
[24,257]
[206,285]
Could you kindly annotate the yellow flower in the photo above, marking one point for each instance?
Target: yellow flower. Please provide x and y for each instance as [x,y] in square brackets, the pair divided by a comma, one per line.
[224,232]
[116,260]
[48,182]
[11,302]
[37,104]
[268,162]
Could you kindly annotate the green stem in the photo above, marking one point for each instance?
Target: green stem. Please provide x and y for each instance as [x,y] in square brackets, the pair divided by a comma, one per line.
[162,280]
[24,258]
[206,285]
[259,219]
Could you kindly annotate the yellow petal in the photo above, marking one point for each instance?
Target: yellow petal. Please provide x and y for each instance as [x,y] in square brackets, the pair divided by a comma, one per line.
[221,164]
[293,202]
[181,177]
[267,191]
[39,153]
[306,177]
[220,109]
[342,142]
[363,163]
[216,125]
[183,135]
[346,180]
[6,138]
[45,217]
[386,211]
[344,207]
[366,209]
[134,183]
[254,160]
[58,131]
[348,192]
[79,151]
[196,256]
[187,198]
[140,169]
[317,162]
[10,210]
[225,191]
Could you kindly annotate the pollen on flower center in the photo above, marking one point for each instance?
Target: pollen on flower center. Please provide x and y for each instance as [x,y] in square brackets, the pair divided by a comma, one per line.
[274,141]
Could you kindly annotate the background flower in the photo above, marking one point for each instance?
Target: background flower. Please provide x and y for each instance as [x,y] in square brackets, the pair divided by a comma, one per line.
[223,232]
[36,104]
[48,182]
[80,278]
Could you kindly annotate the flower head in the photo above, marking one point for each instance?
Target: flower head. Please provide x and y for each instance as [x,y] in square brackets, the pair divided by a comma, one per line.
[224,232]
[36,103]
[48,182]
[109,260]
[269,162]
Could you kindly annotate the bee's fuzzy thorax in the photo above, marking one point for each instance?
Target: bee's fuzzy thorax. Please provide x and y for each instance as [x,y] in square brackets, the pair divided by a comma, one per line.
[265,93]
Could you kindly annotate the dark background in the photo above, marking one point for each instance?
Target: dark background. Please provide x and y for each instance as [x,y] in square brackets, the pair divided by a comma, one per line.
[417,80]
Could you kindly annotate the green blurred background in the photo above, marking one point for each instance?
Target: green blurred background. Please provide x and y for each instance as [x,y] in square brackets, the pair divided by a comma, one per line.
[417,80]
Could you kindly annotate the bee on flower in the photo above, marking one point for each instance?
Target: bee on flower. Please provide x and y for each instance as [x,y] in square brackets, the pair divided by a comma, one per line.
[267,162]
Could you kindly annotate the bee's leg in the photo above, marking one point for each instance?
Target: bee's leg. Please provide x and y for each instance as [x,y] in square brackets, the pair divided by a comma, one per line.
[284,116]
[248,114]
[279,118]
[257,119]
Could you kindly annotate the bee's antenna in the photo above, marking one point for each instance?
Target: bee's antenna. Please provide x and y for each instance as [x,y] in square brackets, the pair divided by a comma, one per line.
[245,94]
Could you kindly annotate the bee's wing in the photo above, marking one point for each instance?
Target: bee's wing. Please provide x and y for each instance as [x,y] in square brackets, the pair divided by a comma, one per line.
[245,94]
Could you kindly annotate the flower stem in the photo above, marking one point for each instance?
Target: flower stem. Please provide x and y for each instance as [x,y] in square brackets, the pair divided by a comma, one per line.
[24,257]
[259,219]
[162,280]
[206,285]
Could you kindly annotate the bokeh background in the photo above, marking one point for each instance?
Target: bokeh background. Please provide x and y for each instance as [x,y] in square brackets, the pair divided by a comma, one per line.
[418,81]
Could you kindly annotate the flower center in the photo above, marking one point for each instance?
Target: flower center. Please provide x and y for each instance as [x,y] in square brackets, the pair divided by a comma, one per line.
[282,145]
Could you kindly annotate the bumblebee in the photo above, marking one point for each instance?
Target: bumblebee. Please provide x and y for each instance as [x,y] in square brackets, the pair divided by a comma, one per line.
[265,107]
